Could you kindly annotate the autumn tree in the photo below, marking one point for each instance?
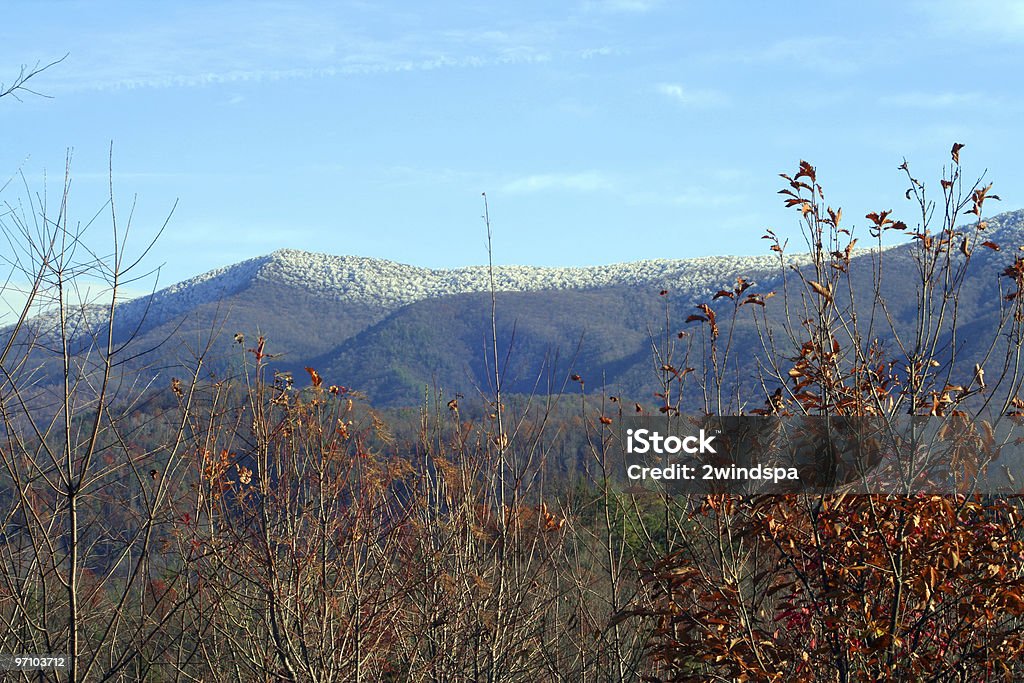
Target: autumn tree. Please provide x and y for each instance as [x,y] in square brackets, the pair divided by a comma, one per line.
[920,579]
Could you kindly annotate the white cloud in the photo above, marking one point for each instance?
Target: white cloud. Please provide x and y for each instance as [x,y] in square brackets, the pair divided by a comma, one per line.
[235,43]
[356,66]
[630,6]
[691,97]
[1000,19]
[832,55]
[591,52]
[587,181]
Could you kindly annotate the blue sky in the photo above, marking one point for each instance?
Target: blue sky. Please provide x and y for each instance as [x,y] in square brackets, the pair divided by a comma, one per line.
[602,131]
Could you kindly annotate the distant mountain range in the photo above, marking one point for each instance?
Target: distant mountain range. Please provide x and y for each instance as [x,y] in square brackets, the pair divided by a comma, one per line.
[393,330]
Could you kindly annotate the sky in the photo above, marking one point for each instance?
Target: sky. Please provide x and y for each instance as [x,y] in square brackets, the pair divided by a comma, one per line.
[601,130]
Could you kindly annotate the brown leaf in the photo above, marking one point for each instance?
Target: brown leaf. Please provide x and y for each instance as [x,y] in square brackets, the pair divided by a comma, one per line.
[978,198]
[821,289]
[710,318]
[955,153]
[806,171]
[879,219]
[991,245]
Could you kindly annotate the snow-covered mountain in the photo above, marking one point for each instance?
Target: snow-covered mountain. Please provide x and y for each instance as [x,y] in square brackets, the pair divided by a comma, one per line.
[377,323]
[387,286]
[391,285]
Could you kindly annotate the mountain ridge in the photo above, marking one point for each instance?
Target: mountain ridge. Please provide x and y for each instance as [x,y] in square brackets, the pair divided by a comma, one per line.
[390,285]
[393,328]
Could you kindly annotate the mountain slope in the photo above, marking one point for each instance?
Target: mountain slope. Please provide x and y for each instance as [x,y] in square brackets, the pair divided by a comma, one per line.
[308,303]
[606,334]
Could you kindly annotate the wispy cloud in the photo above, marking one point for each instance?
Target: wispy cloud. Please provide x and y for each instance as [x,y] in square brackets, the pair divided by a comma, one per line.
[925,100]
[633,6]
[993,19]
[238,43]
[604,51]
[354,67]
[832,55]
[691,97]
[646,191]
[587,181]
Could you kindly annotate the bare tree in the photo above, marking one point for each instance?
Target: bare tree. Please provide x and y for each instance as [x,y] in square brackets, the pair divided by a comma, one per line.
[82,570]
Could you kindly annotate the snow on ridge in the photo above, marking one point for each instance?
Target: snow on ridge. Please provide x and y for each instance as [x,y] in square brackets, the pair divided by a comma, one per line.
[391,285]
[165,304]
[1006,223]
[181,297]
